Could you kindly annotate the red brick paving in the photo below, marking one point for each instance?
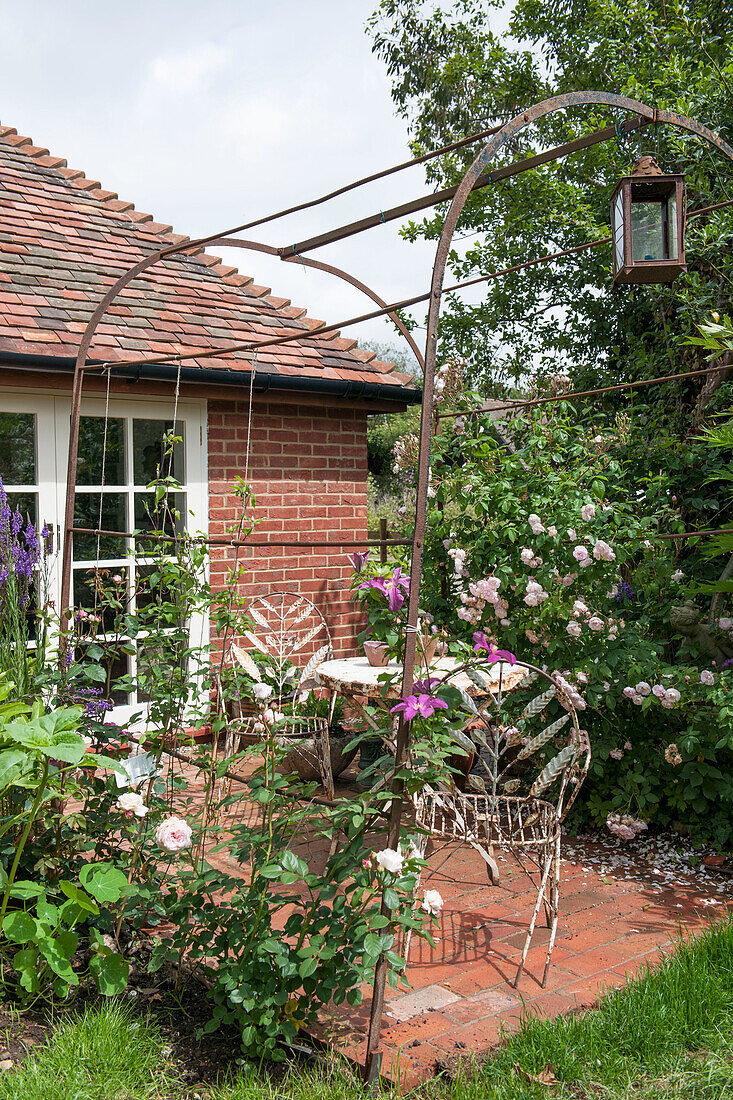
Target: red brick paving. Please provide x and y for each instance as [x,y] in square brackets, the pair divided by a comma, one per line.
[616,918]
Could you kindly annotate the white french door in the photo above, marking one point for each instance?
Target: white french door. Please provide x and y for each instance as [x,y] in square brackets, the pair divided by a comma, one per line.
[121,449]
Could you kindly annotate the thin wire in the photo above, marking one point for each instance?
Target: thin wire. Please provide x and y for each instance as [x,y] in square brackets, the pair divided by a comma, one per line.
[108,371]
[237,544]
[578,393]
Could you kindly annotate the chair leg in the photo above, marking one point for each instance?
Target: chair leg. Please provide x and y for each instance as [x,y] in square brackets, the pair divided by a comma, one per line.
[555,905]
[324,753]
[549,859]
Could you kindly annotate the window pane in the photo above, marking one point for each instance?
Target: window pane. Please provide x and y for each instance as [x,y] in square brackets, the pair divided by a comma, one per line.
[151,457]
[647,231]
[152,588]
[672,227]
[26,504]
[18,448]
[116,664]
[161,667]
[618,230]
[97,591]
[114,518]
[93,449]
[168,516]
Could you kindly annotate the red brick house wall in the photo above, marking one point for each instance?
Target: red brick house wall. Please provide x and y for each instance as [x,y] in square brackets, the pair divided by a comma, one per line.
[308,472]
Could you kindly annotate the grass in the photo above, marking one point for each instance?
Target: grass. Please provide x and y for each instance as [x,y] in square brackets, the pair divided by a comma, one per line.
[667,1036]
[105,1054]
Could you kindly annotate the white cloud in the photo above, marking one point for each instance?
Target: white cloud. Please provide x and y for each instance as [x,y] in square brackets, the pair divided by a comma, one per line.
[255,122]
[187,71]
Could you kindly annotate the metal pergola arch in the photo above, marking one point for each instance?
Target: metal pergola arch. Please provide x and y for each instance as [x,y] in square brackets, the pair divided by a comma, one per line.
[646,116]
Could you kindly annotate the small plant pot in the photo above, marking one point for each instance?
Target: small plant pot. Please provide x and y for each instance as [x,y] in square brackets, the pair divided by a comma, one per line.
[376,653]
[426,649]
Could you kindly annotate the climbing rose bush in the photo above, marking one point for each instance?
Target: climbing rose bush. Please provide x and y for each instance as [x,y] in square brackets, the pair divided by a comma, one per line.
[543,539]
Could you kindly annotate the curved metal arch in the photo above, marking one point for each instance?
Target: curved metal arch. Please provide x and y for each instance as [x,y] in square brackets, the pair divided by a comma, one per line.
[482,159]
[138,269]
[519,122]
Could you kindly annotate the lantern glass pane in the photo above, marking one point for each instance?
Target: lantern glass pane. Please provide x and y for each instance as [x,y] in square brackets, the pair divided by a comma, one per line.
[672,226]
[648,238]
[618,230]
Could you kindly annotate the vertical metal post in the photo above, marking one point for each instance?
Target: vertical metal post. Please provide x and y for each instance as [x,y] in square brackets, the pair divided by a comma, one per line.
[383,536]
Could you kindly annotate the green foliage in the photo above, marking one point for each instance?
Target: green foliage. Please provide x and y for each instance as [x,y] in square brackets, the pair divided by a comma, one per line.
[521,515]
[666,1036]
[287,939]
[453,76]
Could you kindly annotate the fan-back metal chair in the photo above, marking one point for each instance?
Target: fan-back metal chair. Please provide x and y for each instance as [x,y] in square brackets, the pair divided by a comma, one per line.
[282,625]
[523,786]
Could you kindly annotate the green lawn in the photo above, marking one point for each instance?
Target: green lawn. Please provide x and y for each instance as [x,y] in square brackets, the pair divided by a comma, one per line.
[667,1036]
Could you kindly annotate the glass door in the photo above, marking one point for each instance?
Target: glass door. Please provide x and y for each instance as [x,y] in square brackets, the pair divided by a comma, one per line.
[122,448]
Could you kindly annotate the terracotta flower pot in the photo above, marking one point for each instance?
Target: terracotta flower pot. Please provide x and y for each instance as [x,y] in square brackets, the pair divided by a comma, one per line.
[427,646]
[376,653]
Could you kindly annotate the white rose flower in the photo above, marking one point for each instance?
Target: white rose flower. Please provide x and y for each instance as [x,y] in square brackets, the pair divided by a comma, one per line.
[390,860]
[262,691]
[574,629]
[432,903]
[707,677]
[643,688]
[173,834]
[588,511]
[595,623]
[132,803]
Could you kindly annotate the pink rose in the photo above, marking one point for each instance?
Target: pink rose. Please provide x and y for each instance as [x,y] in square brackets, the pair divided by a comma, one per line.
[580,553]
[173,834]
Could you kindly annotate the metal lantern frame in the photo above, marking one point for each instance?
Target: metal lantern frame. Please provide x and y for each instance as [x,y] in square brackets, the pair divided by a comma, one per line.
[171,366]
[648,184]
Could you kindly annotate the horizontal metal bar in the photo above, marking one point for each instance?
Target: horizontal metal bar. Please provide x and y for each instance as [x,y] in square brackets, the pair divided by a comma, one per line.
[323,329]
[530,402]
[221,541]
[436,197]
[480,136]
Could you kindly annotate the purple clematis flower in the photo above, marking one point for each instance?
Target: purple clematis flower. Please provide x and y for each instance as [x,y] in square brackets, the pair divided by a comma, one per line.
[391,587]
[358,559]
[424,687]
[424,705]
[482,642]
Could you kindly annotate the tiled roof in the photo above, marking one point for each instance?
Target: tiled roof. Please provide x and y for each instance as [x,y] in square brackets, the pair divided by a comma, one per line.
[64,240]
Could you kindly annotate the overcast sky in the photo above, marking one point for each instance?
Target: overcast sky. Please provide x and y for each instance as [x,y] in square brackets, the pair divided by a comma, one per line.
[207,115]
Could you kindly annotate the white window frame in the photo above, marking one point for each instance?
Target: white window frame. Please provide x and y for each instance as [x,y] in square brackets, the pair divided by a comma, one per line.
[52,411]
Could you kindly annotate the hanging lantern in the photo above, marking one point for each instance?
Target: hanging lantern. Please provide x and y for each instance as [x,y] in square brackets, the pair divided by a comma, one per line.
[648,225]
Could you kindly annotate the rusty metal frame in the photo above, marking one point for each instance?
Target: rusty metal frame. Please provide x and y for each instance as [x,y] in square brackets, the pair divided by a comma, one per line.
[474,177]
[484,157]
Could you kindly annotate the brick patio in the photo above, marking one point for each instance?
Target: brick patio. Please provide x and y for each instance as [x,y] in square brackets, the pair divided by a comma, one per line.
[621,907]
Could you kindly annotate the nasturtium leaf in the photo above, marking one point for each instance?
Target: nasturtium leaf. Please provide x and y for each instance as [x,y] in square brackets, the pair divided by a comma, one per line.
[20,927]
[104,881]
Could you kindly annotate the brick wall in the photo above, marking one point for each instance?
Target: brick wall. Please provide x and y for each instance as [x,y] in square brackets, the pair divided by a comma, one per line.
[308,471]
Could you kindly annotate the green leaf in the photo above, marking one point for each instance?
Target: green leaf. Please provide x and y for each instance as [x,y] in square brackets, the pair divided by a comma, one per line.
[111,972]
[78,896]
[57,958]
[20,927]
[308,967]
[104,881]
[25,889]
[391,898]
[12,765]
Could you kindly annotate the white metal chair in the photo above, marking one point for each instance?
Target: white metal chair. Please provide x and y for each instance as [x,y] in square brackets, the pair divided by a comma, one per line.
[281,626]
[523,787]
